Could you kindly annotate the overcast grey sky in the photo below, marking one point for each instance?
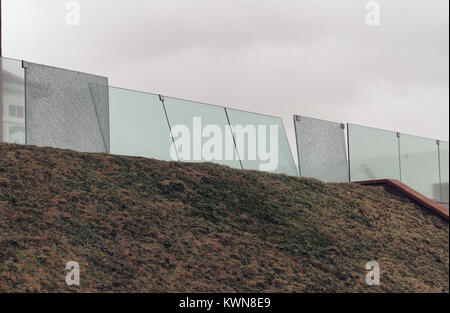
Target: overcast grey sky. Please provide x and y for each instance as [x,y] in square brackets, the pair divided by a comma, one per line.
[310,57]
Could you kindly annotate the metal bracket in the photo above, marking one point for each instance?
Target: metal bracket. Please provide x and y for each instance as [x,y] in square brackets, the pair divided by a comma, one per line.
[343,126]
[438,142]
[162,98]
[398,135]
[298,118]
[24,64]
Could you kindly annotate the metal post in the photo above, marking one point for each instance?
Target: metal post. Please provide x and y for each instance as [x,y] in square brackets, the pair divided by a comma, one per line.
[1,77]
[1,54]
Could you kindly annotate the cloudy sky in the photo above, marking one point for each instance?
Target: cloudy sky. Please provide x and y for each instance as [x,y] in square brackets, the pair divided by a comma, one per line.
[310,57]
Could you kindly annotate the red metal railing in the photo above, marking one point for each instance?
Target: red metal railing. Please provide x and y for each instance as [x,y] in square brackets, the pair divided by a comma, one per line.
[411,193]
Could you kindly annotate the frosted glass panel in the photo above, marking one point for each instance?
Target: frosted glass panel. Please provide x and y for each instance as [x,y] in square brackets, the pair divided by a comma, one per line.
[443,158]
[138,125]
[12,101]
[419,160]
[66,109]
[373,153]
[201,133]
[99,93]
[257,149]
[321,149]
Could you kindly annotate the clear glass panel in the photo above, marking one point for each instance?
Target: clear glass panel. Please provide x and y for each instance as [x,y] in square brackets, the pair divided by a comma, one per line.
[261,142]
[321,149]
[66,109]
[443,158]
[12,101]
[373,153]
[419,159]
[138,125]
[201,132]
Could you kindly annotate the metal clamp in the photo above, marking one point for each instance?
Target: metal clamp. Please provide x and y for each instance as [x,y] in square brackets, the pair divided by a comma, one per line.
[162,98]
[24,64]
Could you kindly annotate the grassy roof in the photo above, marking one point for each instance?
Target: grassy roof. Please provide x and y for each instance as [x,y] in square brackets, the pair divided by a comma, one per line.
[142,225]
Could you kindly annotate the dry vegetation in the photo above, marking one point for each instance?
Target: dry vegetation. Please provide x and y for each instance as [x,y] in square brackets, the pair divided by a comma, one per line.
[141,225]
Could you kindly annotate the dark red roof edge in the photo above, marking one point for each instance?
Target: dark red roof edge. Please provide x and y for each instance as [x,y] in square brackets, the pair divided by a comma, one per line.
[411,193]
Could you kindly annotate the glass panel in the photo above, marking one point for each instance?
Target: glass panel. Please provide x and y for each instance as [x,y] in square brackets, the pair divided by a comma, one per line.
[419,159]
[66,109]
[443,158]
[201,132]
[12,101]
[261,142]
[321,149]
[100,99]
[373,153]
[138,125]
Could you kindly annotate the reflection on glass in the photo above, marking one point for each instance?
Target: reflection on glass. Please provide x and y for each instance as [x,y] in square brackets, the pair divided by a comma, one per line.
[261,142]
[443,158]
[12,102]
[419,161]
[201,132]
[373,153]
[138,125]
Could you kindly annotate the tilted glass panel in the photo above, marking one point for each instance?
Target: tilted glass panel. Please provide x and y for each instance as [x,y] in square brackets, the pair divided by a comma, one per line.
[201,132]
[261,142]
[100,98]
[321,149]
[12,101]
[138,125]
[419,159]
[373,153]
[443,159]
[66,109]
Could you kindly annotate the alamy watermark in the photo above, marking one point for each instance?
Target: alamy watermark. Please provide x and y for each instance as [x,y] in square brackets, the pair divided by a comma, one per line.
[373,276]
[73,277]
[227,143]
[73,13]
[373,13]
